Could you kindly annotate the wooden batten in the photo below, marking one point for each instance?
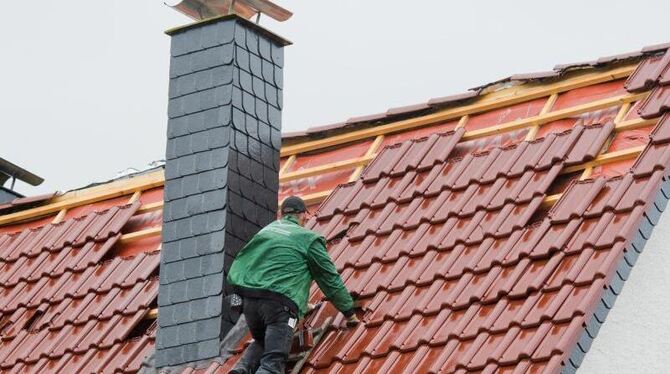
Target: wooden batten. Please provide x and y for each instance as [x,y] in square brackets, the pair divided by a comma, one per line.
[506,97]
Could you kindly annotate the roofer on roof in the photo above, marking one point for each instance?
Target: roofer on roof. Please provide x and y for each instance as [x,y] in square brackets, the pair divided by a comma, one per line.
[273,273]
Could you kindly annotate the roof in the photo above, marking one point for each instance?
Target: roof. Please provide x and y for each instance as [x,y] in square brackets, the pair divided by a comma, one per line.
[455,269]
[454,196]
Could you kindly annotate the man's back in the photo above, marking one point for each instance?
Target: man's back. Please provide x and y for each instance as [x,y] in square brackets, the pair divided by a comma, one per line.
[277,259]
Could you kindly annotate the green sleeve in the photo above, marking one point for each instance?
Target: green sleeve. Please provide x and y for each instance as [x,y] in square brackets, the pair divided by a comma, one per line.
[325,274]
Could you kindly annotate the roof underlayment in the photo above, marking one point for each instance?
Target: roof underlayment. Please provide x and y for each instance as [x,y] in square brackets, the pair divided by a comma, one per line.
[491,232]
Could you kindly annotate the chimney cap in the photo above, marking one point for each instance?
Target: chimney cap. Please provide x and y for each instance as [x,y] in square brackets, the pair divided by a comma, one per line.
[202,9]
[9,170]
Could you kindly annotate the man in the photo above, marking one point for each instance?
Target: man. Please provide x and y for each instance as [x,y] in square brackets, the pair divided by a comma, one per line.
[273,274]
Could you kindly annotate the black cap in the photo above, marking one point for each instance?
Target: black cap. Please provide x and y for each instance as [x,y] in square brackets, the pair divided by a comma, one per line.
[293,204]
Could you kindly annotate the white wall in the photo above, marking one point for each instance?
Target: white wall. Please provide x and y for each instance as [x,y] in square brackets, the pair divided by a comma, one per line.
[636,335]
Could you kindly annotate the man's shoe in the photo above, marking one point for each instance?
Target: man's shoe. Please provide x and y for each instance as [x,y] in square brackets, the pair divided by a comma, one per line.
[237,371]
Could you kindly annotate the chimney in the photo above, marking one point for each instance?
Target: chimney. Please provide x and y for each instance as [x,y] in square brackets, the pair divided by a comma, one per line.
[221,173]
[10,173]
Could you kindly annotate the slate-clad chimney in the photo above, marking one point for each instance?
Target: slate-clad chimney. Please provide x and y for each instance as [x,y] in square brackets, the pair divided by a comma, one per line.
[221,173]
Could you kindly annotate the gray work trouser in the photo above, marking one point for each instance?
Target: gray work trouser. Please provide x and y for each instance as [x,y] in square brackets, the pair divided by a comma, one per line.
[268,321]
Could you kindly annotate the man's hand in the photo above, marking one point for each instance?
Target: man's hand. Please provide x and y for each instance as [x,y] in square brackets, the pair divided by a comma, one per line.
[353,321]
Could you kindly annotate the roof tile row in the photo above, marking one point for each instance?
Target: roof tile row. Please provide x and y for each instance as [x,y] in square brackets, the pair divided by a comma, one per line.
[120,272]
[74,232]
[124,357]
[450,271]
[653,73]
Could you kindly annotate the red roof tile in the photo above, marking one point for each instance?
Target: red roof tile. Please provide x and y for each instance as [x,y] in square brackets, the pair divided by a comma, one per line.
[451,273]
[61,302]
[653,73]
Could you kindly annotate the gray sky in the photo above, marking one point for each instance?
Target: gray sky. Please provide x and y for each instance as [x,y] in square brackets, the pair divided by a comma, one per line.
[83,84]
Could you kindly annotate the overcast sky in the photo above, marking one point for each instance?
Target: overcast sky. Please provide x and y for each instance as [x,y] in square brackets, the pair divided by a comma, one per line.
[83,84]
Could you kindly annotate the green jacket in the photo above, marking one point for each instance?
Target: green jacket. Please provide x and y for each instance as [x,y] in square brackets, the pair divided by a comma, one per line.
[285,257]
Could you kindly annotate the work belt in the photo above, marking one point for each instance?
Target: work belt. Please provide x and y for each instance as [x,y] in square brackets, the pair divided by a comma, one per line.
[256,293]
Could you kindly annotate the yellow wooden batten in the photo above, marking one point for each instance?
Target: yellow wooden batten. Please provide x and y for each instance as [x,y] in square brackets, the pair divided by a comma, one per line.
[502,98]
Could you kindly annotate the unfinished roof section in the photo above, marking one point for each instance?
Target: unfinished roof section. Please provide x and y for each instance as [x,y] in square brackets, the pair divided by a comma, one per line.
[460,268]
[521,107]
[79,290]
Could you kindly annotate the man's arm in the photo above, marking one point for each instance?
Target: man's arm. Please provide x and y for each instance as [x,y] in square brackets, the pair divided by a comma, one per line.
[325,274]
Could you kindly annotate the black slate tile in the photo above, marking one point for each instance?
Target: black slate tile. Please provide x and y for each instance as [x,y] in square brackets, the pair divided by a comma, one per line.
[194,205]
[189,185]
[167,317]
[246,82]
[199,224]
[276,139]
[199,141]
[268,156]
[204,308]
[268,71]
[239,119]
[609,297]
[208,349]
[242,58]
[185,42]
[208,328]
[179,65]
[240,36]
[169,232]
[186,333]
[256,66]
[186,164]
[176,292]
[218,137]
[237,99]
[188,247]
[182,146]
[251,126]
[277,54]
[172,190]
[250,211]
[170,252]
[279,77]
[247,187]
[214,200]
[252,42]
[254,151]
[256,171]
[265,48]
[274,119]
[168,337]
[218,117]
[172,272]
[265,133]
[203,162]
[623,270]
[235,203]
[272,94]
[219,158]
[248,102]
[261,109]
[258,88]
[177,127]
[270,179]
[177,209]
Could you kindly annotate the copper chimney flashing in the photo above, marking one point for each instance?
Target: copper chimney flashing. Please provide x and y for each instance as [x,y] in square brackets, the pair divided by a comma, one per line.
[202,9]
